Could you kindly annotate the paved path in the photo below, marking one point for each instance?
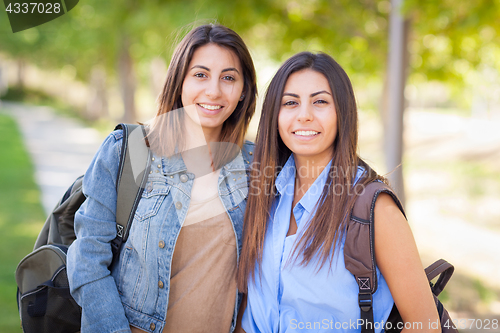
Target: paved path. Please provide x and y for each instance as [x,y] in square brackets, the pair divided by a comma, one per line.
[445,222]
[61,148]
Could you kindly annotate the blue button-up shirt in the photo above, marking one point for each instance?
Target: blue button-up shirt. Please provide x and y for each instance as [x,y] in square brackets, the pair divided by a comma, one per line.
[289,297]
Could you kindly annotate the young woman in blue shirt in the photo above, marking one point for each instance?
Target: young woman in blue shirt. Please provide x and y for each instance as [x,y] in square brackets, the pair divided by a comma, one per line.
[301,194]
[177,270]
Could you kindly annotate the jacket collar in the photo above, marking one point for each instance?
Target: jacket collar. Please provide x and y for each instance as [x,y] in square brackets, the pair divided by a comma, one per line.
[175,164]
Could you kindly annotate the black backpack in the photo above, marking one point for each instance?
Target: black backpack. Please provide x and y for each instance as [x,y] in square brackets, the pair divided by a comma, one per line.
[359,258]
[43,296]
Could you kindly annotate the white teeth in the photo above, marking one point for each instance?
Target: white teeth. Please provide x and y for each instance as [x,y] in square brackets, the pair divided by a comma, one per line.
[210,107]
[306,133]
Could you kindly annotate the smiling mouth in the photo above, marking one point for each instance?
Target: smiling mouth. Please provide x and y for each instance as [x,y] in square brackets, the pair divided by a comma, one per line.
[306,133]
[210,107]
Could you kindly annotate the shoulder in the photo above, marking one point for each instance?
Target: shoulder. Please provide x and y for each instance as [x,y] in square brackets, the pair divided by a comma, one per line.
[385,204]
[112,144]
[247,151]
[248,146]
[117,134]
[105,162]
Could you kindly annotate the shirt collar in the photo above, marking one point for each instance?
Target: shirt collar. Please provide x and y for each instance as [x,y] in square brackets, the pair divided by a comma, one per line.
[311,197]
[286,177]
[285,183]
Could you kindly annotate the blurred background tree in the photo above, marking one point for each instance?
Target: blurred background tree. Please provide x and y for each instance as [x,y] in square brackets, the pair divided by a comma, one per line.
[107,43]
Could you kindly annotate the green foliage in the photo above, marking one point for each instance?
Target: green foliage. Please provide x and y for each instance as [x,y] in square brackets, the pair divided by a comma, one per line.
[448,39]
[21,217]
[451,39]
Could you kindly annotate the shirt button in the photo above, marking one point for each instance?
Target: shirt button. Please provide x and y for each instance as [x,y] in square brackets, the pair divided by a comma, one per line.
[160,284]
[184,178]
[161,244]
[152,326]
[178,205]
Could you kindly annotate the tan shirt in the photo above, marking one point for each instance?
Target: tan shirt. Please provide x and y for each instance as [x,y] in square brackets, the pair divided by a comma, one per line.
[202,291]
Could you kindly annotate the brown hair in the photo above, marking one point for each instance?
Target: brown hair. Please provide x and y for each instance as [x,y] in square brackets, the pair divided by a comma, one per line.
[326,226]
[166,132]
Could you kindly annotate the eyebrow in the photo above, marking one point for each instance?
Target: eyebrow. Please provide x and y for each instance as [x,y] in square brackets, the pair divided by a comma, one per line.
[312,95]
[224,70]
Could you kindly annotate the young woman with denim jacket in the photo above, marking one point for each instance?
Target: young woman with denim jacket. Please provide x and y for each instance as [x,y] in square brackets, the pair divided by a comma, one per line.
[292,261]
[176,271]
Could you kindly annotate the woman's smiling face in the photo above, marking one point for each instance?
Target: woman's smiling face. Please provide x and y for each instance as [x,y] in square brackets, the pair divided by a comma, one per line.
[307,120]
[212,87]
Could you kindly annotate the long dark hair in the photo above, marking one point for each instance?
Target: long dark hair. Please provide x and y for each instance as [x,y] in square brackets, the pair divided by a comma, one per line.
[326,226]
[166,132]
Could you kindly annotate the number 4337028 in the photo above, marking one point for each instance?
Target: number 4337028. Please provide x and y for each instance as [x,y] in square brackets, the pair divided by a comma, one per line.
[34,7]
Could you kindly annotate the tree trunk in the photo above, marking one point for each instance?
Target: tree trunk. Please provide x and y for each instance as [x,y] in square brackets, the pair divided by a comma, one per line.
[4,84]
[21,70]
[158,72]
[127,82]
[97,106]
[395,102]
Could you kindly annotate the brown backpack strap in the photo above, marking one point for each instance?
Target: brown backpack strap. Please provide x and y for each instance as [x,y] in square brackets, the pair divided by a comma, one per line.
[442,268]
[359,248]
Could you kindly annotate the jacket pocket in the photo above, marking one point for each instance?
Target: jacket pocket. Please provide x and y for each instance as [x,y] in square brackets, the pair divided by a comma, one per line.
[238,193]
[129,279]
[151,200]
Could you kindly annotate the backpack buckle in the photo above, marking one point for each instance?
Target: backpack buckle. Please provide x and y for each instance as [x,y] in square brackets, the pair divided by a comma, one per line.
[119,230]
[365,302]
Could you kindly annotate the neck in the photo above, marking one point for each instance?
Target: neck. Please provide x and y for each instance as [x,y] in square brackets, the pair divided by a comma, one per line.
[211,134]
[200,138]
[197,135]
[307,170]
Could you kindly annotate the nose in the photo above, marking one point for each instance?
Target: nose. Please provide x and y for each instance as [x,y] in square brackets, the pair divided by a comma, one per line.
[305,113]
[213,90]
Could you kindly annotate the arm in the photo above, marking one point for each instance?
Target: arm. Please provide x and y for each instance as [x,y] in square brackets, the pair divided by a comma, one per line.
[91,283]
[399,262]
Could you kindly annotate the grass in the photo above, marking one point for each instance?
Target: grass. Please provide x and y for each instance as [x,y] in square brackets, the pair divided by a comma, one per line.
[21,217]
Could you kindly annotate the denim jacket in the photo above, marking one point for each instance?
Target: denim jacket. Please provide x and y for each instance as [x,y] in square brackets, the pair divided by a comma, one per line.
[136,291]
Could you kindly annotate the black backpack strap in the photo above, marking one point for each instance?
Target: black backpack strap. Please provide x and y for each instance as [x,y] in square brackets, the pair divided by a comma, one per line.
[130,185]
[359,248]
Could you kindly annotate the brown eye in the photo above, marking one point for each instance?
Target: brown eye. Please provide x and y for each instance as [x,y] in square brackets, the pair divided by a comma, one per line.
[229,78]
[321,101]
